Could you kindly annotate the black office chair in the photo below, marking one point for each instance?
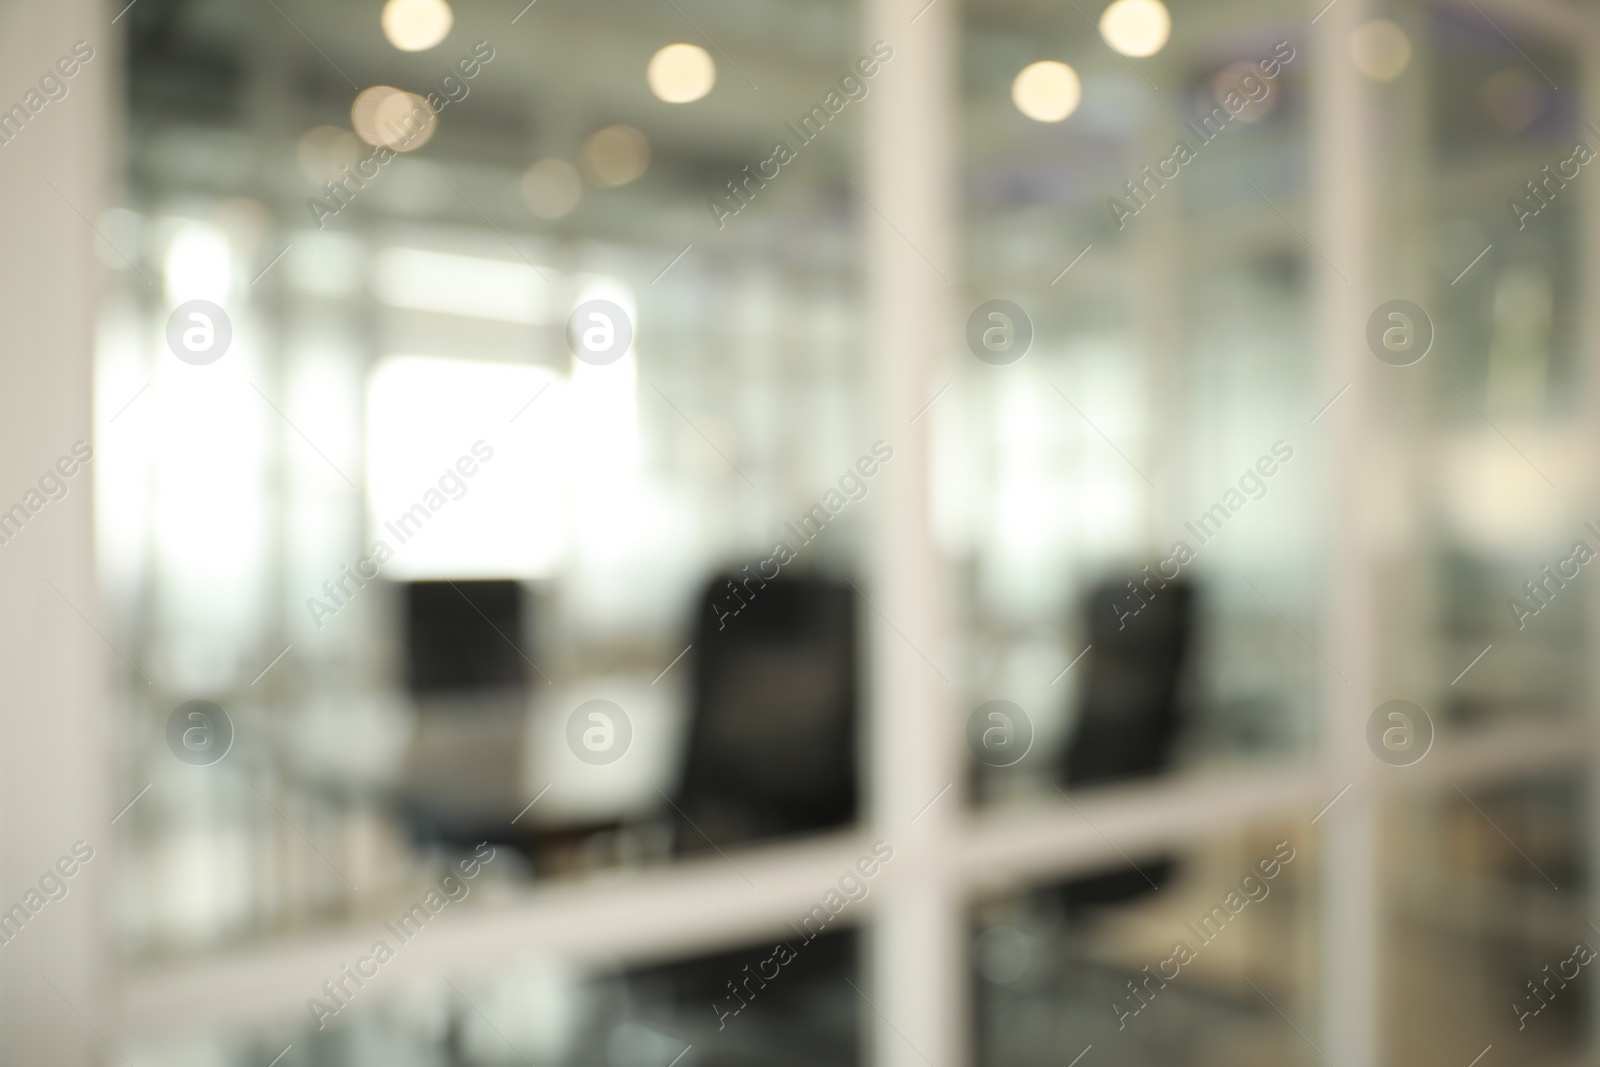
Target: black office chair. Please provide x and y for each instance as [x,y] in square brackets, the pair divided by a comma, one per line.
[1133,707]
[468,682]
[771,753]
[1132,711]
[772,738]
[463,636]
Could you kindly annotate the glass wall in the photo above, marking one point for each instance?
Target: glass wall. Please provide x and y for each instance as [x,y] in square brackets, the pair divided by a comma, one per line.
[505,558]
[1486,922]
[1194,967]
[410,395]
[1483,432]
[1153,447]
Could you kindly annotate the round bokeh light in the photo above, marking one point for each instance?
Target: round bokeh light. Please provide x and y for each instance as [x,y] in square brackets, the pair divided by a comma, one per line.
[681,73]
[416,25]
[1136,28]
[1047,91]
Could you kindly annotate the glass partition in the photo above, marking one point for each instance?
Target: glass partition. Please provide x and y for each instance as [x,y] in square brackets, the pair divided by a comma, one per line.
[1485,922]
[1212,960]
[1135,466]
[530,381]
[548,1011]
[1481,413]
[498,534]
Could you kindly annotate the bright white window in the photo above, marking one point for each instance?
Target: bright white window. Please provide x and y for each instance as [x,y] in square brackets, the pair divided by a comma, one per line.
[429,421]
[496,289]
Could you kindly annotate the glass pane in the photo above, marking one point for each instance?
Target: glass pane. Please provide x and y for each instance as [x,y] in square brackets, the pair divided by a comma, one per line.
[1129,471]
[547,1012]
[481,418]
[1486,923]
[1188,959]
[1482,433]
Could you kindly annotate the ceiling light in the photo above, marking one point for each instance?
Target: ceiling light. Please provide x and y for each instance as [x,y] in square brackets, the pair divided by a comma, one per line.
[384,115]
[551,188]
[416,25]
[1047,91]
[680,73]
[1136,27]
[615,155]
[364,112]
[405,121]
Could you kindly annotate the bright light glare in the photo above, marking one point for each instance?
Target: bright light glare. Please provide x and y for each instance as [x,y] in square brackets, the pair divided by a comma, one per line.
[1488,498]
[1047,91]
[416,25]
[405,121]
[509,518]
[199,265]
[1136,27]
[206,446]
[364,113]
[463,285]
[680,73]
[605,405]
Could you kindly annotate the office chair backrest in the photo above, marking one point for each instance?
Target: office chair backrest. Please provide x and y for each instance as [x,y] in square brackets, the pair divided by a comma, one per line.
[463,636]
[1132,706]
[1132,710]
[772,742]
[468,681]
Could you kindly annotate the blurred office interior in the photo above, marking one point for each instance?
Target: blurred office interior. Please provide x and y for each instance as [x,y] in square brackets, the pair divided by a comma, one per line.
[949,778]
